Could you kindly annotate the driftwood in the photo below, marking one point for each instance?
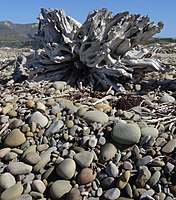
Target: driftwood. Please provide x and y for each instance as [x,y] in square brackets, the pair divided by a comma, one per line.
[99,53]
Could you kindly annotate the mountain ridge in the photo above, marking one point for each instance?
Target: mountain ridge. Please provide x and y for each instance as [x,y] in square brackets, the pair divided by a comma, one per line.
[16,34]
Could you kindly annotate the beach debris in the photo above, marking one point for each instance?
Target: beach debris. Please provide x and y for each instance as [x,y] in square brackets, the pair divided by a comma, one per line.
[101,53]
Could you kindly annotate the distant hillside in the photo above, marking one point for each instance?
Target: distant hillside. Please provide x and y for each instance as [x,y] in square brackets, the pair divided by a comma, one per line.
[16,34]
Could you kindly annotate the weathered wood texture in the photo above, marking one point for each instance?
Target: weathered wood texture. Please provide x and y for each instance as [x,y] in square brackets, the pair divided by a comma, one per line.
[98,52]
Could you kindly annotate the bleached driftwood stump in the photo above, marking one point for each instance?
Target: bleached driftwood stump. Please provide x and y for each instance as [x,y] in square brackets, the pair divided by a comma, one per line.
[100,52]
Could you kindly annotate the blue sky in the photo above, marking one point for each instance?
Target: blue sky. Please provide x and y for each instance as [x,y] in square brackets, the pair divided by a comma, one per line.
[27,11]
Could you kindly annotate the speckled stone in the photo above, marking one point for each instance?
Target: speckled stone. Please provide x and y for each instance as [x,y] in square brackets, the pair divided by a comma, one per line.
[173,189]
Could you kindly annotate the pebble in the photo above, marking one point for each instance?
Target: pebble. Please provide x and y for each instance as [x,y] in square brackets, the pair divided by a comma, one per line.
[55,108]
[17,168]
[15,123]
[12,192]
[40,107]
[30,104]
[66,169]
[112,169]
[59,188]
[143,176]
[39,119]
[127,165]
[59,85]
[103,106]
[32,158]
[169,167]
[123,180]
[6,181]
[4,119]
[96,116]
[92,142]
[112,194]
[107,152]
[81,112]
[154,178]
[173,189]
[84,159]
[148,193]
[45,158]
[10,156]
[101,140]
[129,190]
[15,138]
[167,99]
[42,147]
[144,161]
[38,186]
[7,108]
[86,176]
[127,134]
[151,131]
[54,127]
[169,147]
[74,194]
[127,115]
[4,152]
[24,197]
[108,183]
[29,149]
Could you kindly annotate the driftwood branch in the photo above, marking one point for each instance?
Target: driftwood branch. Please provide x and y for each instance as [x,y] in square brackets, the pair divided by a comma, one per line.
[99,52]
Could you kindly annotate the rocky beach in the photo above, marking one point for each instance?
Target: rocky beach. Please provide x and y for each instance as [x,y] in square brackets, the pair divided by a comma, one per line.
[89,114]
[63,142]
